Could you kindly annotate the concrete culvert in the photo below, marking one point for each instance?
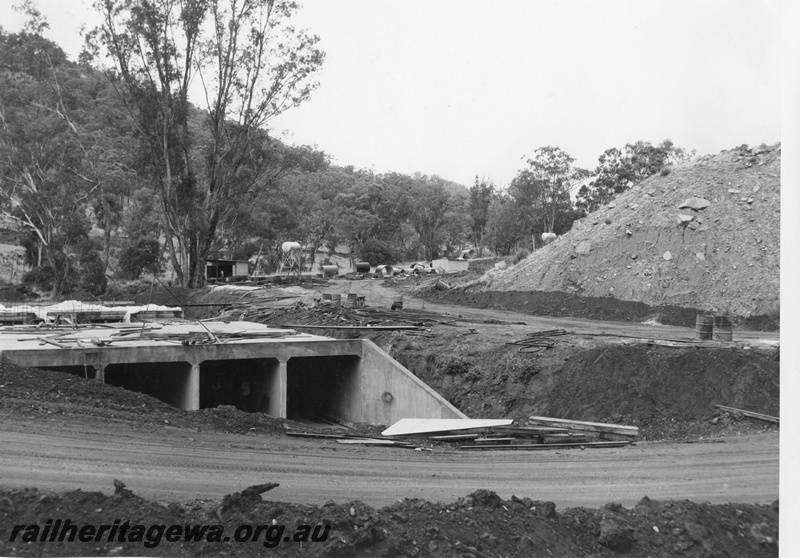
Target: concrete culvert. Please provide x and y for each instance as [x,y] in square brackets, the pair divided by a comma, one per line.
[247,384]
[327,386]
[167,381]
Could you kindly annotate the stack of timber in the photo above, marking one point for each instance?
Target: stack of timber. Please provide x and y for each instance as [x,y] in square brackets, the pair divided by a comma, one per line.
[351,439]
[539,433]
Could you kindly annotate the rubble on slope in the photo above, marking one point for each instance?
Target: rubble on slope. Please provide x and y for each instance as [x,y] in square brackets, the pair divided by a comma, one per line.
[706,236]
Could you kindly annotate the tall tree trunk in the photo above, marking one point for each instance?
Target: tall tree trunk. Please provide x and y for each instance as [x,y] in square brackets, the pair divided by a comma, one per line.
[193,265]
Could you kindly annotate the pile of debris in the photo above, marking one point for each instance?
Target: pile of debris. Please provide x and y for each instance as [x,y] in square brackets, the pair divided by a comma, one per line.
[538,341]
[102,335]
[539,433]
[327,316]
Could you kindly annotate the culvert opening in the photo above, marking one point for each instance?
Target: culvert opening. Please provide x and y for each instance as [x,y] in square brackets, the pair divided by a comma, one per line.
[324,387]
[247,384]
[167,381]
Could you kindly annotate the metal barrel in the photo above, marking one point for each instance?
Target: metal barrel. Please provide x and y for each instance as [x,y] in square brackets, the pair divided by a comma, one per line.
[330,270]
[397,302]
[723,328]
[336,299]
[351,300]
[704,326]
[362,267]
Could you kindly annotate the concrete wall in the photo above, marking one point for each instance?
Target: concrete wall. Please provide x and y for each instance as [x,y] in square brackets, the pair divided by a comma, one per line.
[390,391]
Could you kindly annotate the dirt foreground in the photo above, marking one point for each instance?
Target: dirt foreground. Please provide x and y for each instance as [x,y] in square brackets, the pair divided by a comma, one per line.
[709,487]
[383,501]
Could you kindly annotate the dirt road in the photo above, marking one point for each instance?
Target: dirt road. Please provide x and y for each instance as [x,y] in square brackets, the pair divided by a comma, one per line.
[377,294]
[173,464]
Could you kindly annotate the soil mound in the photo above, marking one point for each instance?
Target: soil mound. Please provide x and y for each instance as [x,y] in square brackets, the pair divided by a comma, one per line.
[669,393]
[562,304]
[481,524]
[705,235]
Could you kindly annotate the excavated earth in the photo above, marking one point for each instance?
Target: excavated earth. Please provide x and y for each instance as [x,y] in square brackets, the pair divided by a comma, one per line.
[720,252]
[479,525]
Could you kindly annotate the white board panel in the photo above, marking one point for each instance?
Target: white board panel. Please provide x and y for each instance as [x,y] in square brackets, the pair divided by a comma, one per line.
[404,427]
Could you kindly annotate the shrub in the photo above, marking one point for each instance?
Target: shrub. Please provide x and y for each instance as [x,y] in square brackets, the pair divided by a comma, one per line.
[521,255]
[40,278]
[60,278]
[377,253]
[665,170]
[139,256]
[93,276]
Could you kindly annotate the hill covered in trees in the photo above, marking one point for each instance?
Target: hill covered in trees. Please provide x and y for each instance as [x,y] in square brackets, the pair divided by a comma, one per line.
[114,171]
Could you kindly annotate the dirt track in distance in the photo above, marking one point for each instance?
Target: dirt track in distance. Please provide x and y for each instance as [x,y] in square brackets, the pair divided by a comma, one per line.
[377,294]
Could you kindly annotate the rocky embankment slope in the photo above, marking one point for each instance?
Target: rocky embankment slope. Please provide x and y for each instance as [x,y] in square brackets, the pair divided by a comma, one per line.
[706,235]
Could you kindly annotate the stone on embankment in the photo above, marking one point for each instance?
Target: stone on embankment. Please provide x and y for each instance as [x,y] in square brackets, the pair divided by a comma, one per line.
[695,203]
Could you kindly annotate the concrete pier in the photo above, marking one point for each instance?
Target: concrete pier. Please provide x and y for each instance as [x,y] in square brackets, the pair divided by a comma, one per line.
[255,368]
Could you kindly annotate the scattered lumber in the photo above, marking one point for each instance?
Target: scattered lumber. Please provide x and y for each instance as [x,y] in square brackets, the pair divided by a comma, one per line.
[380,327]
[333,421]
[540,433]
[351,439]
[583,426]
[44,340]
[532,431]
[547,446]
[453,437]
[486,434]
[570,439]
[538,341]
[750,414]
[493,440]
[306,434]
[375,442]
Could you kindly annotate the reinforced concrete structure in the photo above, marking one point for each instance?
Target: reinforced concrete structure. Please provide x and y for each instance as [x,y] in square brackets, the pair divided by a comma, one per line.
[251,366]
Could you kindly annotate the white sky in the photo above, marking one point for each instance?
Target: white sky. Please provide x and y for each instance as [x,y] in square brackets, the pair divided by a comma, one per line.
[461,88]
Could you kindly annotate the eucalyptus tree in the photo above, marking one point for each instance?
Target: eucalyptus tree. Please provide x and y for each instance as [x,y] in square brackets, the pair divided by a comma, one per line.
[246,62]
[480,199]
[430,205]
[543,188]
[43,161]
[619,169]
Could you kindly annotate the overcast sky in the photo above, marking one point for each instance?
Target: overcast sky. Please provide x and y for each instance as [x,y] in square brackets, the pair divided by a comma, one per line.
[462,88]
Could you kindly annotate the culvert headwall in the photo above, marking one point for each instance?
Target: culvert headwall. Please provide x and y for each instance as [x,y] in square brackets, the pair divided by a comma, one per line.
[286,375]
